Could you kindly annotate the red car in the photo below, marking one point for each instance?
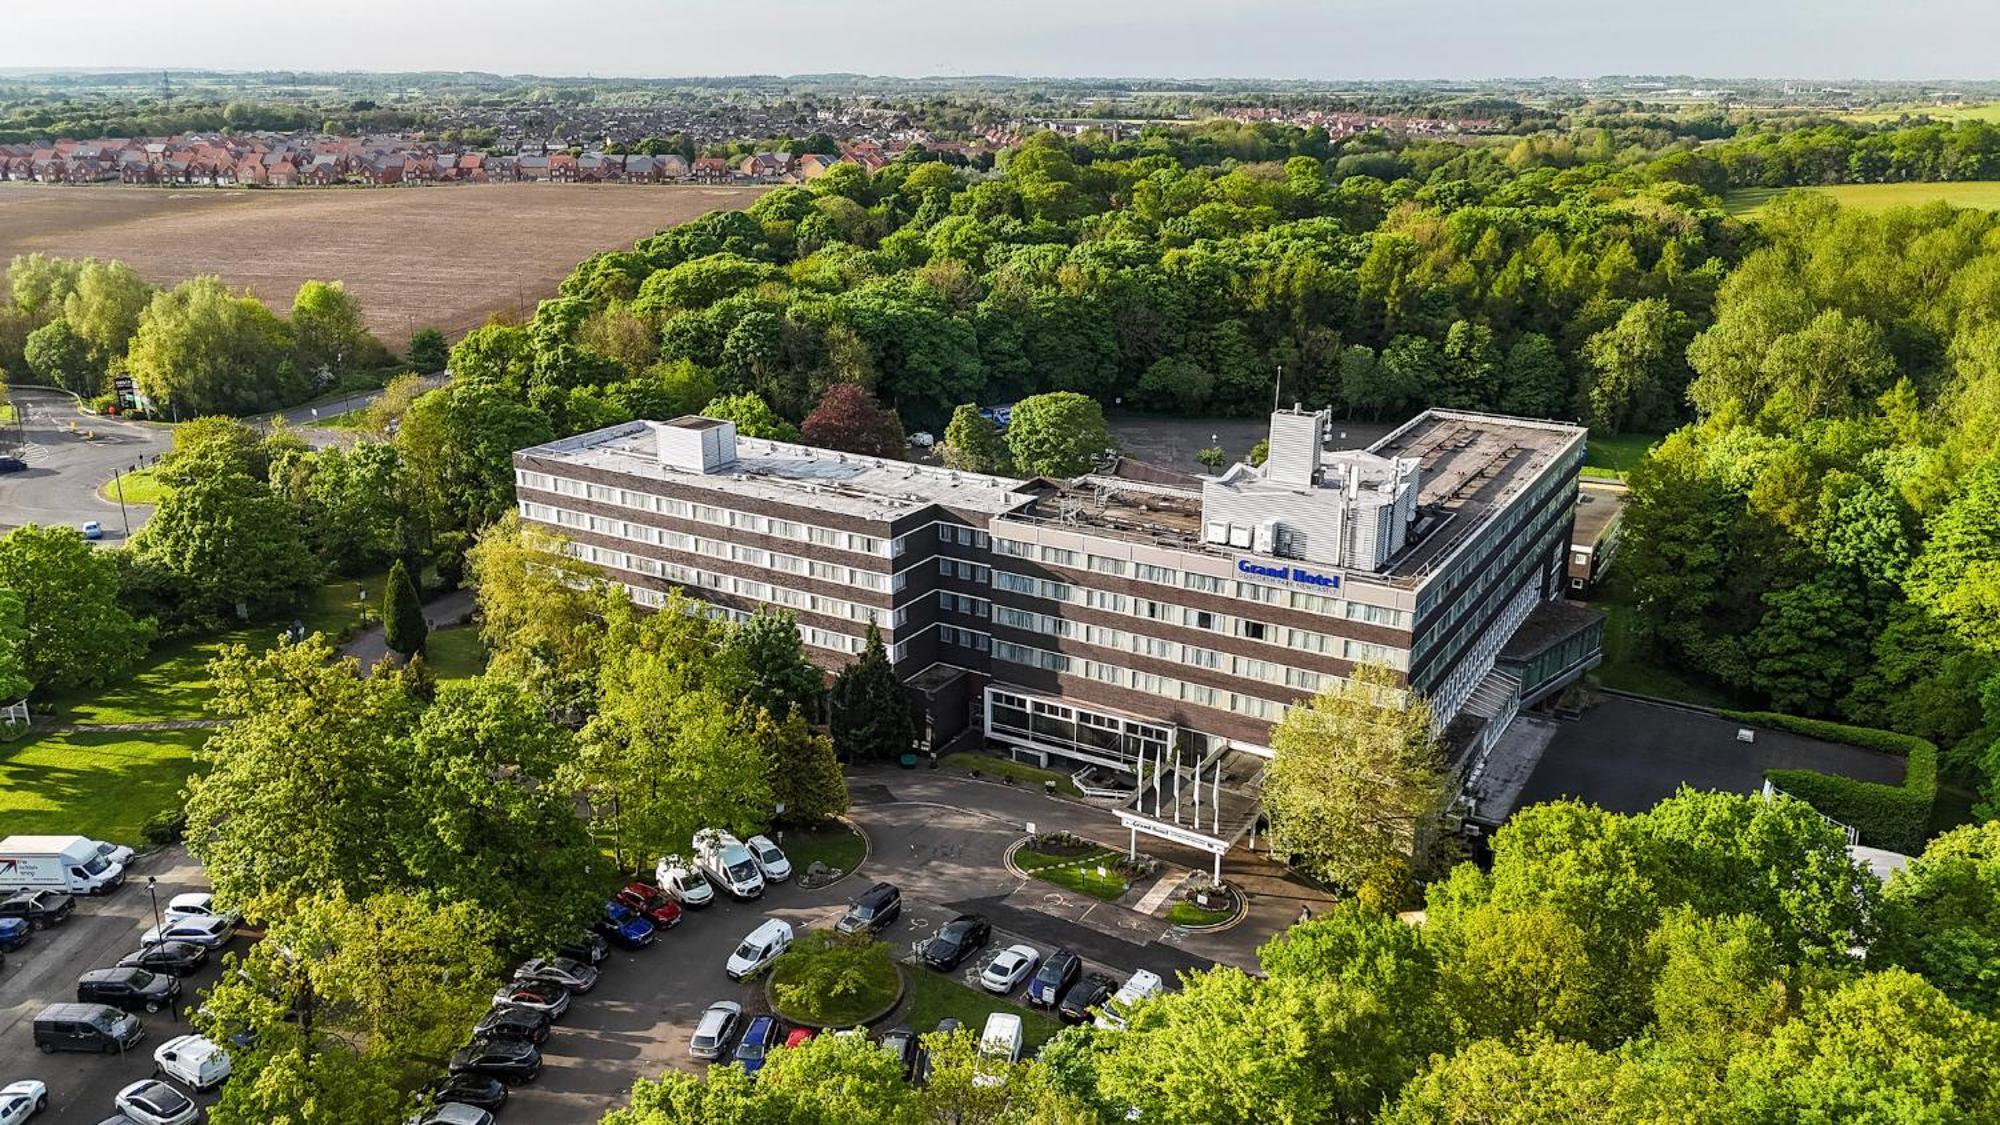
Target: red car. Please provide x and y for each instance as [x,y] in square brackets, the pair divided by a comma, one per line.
[799,1035]
[652,904]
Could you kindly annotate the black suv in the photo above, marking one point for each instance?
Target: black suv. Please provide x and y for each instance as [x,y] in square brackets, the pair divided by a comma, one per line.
[1084,996]
[178,958]
[135,990]
[40,908]
[506,1021]
[957,940]
[512,1061]
[1054,978]
[872,910]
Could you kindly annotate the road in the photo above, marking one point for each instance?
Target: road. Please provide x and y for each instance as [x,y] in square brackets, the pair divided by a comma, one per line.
[44,972]
[69,455]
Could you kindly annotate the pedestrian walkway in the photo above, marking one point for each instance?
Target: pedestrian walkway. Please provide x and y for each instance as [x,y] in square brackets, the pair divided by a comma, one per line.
[1162,892]
[371,645]
[132,728]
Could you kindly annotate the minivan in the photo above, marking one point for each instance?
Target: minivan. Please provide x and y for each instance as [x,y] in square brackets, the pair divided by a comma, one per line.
[86,1027]
[759,949]
[872,910]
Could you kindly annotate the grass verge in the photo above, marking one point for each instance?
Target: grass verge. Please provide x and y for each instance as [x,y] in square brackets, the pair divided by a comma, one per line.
[1628,666]
[833,981]
[140,487]
[1077,873]
[1188,914]
[455,653]
[934,996]
[1008,768]
[1614,455]
[835,845]
[99,785]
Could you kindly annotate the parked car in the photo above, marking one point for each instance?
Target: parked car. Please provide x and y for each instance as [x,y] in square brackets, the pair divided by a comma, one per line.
[757,1041]
[13,465]
[769,859]
[573,975]
[652,904]
[759,949]
[40,909]
[625,929]
[589,948]
[14,933]
[922,1076]
[93,530]
[135,990]
[999,1043]
[901,1041]
[512,1021]
[1005,972]
[717,1027]
[86,1027]
[540,995]
[22,1100]
[197,904]
[799,1036]
[684,882]
[213,933]
[1082,999]
[1142,984]
[115,853]
[723,858]
[192,1060]
[512,1061]
[153,1102]
[872,910]
[1054,977]
[956,940]
[475,1090]
[453,1113]
[175,958]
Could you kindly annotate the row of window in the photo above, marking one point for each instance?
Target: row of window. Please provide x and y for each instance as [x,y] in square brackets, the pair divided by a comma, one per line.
[964,571]
[964,603]
[965,638]
[1469,600]
[1249,668]
[1192,618]
[1205,583]
[707,513]
[741,587]
[1165,686]
[1556,477]
[962,535]
[810,634]
[715,548]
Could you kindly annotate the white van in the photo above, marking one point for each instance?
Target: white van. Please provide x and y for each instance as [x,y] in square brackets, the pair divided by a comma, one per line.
[999,1044]
[683,883]
[759,949]
[71,864]
[723,858]
[1143,984]
[192,1061]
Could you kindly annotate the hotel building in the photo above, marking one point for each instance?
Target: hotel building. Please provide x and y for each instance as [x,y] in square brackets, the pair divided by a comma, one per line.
[1146,623]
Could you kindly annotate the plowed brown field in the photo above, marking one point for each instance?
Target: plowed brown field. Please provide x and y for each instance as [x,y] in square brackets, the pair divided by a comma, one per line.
[443,256]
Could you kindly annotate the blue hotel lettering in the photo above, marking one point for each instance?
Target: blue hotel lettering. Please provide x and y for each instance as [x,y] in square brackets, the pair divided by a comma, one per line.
[1288,574]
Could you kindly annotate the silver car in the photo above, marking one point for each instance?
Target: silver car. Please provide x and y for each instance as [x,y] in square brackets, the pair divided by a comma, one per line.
[571,974]
[716,1029]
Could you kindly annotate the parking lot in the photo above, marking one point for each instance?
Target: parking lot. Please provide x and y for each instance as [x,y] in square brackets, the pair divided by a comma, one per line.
[44,972]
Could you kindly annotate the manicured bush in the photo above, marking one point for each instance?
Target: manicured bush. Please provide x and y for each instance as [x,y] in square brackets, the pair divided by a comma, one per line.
[165,827]
[1896,817]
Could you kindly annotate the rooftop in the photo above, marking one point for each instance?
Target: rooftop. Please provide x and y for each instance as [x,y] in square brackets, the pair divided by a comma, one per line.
[1596,510]
[780,472]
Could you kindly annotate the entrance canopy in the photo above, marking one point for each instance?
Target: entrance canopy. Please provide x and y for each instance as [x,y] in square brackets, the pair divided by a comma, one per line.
[1210,806]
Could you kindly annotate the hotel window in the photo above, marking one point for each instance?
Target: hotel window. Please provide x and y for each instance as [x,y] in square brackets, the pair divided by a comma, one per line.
[1148,682]
[1314,603]
[1253,630]
[1104,673]
[1310,641]
[1106,638]
[1204,583]
[706,514]
[1200,619]
[865,544]
[944,533]
[1152,610]
[1360,650]
[1013,618]
[1249,669]
[825,537]
[1147,572]
[1059,556]
[1013,653]
[1100,599]
[980,540]
[1014,583]
[786,529]
[1201,657]
[1250,705]
[1013,548]
[668,506]
[965,536]
[1373,614]
[600,493]
[1196,693]
[1154,646]
[1054,591]
[1103,565]
[944,568]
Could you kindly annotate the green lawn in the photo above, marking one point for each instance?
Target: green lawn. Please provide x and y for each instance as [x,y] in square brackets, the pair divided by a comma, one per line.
[1077,873]
[1616,453]
[933,996]
[99,785]
[835,845]
[173,681]
[1984,111]
[1187,913]
[1007,767]
[455,653]
[140,487]
[1628,667]
[820,956]
[1982,195]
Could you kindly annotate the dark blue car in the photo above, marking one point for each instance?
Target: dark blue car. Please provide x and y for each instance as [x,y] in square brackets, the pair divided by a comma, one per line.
[624,927]
[756,1043]
[14,933]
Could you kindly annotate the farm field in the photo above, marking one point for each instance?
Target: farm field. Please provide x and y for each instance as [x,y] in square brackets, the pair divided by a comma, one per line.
[449,257]
[1977,194]
[1984,111]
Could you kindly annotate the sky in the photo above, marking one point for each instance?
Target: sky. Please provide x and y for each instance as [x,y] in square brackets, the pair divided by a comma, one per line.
[1312,39]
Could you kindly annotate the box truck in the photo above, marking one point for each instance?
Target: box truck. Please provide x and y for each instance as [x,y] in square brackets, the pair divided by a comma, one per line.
[71,864]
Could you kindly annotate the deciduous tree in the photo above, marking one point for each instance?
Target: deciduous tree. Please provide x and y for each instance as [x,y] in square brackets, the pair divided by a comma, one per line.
[1060,434]
[848,418]
[75,632]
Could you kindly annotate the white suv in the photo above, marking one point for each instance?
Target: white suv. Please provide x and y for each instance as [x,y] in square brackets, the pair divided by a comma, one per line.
[759,949]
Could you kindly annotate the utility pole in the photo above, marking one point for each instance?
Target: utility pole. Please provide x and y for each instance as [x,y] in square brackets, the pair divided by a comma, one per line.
[118,483]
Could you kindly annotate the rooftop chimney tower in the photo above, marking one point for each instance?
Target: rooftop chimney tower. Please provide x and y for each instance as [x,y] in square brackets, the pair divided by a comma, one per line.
[1296,438]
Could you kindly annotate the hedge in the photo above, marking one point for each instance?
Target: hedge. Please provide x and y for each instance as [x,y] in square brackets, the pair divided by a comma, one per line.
[1896,817]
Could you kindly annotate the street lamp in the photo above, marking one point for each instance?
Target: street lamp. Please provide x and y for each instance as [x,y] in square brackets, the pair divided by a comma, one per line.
[152,892]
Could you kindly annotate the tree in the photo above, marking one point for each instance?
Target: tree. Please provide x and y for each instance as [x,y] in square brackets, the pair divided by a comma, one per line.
[327,331]
[1941,917]
[848,418]
[14,681]
[1213,457]
[230,545]
[752,417]
[352,504]
[872,713]
[428,351]
[805,776]
[202,351]
[75,633]
[972,444]
[1532,380]
[769,669]
[458,444]
[1061,434]
[1634,363]
[544,615]
[60,357]
[1540,1079]
[1720,989]
[1957,577]
[105,307]
[1355,781]
[404,627]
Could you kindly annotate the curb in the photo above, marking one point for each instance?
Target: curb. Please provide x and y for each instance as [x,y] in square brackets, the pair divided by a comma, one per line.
[902,991]
[867,850]
[1242,916]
